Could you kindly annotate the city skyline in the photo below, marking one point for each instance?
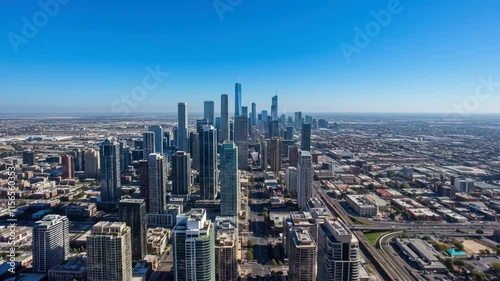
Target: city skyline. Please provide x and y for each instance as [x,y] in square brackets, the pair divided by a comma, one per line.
[71,67]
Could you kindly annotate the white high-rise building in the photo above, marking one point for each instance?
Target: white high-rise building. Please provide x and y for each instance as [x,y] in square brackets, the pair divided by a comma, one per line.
[109,252]
[338,252]
[194,252]
[303,255]
[157,183]
[304,178]
[50,242]
[226,248]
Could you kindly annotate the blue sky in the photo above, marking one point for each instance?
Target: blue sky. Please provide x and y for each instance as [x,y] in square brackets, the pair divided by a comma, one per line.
[90,54]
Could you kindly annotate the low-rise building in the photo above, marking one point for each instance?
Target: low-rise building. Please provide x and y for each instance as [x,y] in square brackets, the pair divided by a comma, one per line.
[362,205]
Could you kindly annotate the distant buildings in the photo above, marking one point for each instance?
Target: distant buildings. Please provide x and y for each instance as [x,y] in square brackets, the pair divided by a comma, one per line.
[263,155]
[50,240]
[92,163]
[67,167]
[109,158]
[338,253]
[305,137]
[194,252]
[133,213]
[464,186]
[158,131]
[304,178]
[229,180]
[109,252]
[29,157]
[209,112]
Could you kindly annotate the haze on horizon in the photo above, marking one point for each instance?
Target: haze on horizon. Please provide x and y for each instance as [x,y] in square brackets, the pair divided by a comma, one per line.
[326,56]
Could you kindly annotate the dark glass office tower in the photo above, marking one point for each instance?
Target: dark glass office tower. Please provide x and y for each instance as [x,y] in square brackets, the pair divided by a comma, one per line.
[208,163]
[305,138]
[109,154]
[133,213]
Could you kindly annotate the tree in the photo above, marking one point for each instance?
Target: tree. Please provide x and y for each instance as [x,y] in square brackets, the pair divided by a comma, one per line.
[426,238]
[392,216]
[274,262]
[250,255]
[496,267]
[479,275]
[250,244]
[449,264]
[479,231]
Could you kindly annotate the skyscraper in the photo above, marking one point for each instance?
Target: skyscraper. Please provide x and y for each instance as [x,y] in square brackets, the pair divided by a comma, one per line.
[124,156]
[158,130]
[226,244]
[304,178]
[209,112]
[194,252]
[157,183]
[144,181]
[195,153]
[338,252]
[289,133]
[275,156]
[293,155]
[303,256]
[109,252]
[241,140]
[110,170]
[263,155]
[29,157]
[237,99]
[91,163]
[229,180]
[224,118]
[50,242]
[67,167]
[148,144]
[254,114]
[133,213]
[274,108]
[182,131]
[181,173]
[208,163]
[305,137]
[298,119]
[291,179]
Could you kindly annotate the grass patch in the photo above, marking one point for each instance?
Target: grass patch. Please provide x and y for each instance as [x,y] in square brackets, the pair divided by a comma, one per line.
[373,236]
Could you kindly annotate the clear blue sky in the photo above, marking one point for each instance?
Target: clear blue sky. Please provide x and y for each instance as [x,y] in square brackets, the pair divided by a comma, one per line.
[90,53]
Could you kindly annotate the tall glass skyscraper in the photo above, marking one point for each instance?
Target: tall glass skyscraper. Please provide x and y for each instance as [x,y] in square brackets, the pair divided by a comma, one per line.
[209,112]
[229,180]
[109,158]
[158,130]
[224,118]
[133,213]
[304,178]
[208,162]
[241,140]
[148,144]
[181,173]
[182,131]
[274,108]
[237,99]
[305,137]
